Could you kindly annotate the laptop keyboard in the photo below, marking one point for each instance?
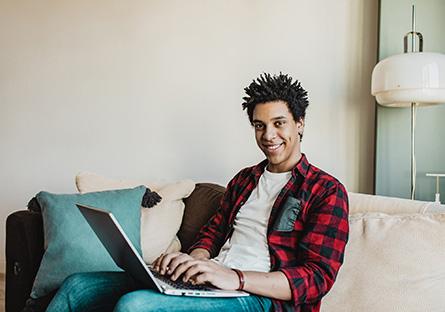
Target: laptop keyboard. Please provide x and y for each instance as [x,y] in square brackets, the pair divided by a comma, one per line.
[179,283]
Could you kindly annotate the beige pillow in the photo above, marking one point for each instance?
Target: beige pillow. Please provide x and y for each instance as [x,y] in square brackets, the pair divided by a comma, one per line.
[160,223]
[392,263]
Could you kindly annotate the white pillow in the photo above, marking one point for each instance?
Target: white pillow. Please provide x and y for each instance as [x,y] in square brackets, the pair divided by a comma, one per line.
[159,224]
[392,263]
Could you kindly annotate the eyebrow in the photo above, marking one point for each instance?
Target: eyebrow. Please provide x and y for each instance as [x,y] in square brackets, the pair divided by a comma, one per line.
[273,119]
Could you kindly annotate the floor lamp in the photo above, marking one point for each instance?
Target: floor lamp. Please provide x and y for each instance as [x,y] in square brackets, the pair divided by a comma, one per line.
[411,79]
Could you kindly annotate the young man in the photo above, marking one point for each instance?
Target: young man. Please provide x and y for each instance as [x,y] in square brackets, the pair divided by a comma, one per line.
[279,233]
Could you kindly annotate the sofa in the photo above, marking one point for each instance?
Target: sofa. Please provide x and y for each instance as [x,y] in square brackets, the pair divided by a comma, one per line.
[394,260]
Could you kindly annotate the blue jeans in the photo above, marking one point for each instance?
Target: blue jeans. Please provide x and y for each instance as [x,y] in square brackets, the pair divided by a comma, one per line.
[118,292]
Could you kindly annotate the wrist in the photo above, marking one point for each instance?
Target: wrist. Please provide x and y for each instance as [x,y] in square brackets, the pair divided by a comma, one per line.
[200,254]
[241,279]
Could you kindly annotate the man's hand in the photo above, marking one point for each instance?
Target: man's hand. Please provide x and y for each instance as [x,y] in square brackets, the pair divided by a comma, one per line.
[197,269]
[168,262]
[208,271]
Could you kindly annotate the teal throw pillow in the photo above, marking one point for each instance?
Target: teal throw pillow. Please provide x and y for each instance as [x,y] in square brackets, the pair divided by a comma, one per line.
[71,246]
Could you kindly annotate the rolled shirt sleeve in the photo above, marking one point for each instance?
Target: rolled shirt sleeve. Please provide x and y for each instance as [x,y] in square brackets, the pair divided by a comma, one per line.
[321,248]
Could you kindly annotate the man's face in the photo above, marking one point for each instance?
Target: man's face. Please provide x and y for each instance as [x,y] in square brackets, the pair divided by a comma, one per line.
[277,135]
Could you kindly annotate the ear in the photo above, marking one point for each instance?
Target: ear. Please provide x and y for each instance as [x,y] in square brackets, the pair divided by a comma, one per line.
[300,124]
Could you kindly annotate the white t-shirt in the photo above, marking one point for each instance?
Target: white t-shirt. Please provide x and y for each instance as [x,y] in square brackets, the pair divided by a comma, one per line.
[247,249]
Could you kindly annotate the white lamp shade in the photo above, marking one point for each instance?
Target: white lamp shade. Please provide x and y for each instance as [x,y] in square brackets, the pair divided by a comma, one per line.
[417,77]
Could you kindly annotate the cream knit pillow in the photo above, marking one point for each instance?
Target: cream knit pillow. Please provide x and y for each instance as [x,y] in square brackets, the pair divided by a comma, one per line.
[159,224]
[392,263]
[361,203]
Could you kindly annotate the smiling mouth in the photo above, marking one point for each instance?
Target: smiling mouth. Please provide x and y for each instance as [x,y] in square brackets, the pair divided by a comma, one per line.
[272,148]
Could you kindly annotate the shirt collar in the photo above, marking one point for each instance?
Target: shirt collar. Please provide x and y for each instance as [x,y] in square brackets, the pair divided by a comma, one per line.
[301,168]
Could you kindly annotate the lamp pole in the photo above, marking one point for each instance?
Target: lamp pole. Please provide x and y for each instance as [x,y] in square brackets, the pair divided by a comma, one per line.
[413,33]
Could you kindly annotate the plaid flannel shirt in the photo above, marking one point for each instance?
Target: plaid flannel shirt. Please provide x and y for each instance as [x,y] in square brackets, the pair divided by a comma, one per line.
[307,230]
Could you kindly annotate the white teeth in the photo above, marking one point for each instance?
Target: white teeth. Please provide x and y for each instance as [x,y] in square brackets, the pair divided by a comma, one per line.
[273,147]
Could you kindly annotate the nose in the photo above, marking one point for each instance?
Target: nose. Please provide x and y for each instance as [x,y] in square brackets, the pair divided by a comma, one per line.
[269,134]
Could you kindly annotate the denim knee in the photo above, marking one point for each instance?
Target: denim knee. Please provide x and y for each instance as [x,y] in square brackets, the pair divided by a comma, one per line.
[138,301]
[91,291]
[74,282]
[130,302]
[69,293]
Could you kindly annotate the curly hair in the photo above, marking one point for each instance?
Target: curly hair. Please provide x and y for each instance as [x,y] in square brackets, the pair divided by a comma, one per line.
[280,87]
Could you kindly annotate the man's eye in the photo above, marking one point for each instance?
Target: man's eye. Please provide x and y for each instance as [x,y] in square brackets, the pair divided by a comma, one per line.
[279,123]
[258,126]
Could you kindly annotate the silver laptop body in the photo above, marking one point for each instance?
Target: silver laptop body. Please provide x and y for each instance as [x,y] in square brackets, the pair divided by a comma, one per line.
[124,254]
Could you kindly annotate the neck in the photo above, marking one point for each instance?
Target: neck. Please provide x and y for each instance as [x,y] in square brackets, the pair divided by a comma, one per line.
[286,166]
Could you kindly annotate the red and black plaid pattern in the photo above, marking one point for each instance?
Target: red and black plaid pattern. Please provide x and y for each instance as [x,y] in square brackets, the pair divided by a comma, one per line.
[307,231]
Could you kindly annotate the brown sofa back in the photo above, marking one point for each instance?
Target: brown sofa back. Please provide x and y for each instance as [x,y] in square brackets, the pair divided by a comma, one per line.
[199,207]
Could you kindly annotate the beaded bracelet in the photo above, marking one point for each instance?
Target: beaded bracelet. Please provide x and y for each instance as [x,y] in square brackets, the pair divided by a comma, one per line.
[241,279]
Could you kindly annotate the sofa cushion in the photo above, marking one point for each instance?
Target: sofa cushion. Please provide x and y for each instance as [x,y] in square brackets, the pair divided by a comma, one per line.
[70,244]
[159,224]
[392,263]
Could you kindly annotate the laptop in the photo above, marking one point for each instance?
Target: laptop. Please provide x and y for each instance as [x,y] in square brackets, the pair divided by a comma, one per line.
[124,254]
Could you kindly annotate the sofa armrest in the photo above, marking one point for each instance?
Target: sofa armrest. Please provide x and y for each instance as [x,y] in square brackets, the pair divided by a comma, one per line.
[24,251]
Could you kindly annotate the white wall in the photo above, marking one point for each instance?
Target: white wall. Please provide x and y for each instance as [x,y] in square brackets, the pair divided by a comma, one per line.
[152,89]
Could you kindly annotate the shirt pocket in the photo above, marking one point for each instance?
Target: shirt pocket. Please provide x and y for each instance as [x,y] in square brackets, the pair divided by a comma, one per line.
[288,215]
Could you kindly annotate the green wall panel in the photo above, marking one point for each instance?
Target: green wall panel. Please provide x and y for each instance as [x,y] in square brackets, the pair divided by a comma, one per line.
[393,124]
